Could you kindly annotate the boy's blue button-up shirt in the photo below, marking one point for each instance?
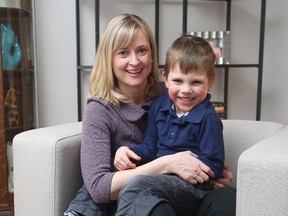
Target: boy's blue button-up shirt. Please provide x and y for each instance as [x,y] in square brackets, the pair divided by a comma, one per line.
[201,131]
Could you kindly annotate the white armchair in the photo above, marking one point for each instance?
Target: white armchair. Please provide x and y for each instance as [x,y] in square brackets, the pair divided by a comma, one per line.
[47,170]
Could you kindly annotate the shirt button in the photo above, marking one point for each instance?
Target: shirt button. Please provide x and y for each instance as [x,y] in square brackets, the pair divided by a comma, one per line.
[172,133]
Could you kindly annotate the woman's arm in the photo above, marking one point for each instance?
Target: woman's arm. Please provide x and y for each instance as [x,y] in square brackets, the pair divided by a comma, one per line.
[183,164]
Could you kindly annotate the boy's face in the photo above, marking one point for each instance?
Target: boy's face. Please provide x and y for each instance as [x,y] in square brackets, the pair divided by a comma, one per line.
[187,90]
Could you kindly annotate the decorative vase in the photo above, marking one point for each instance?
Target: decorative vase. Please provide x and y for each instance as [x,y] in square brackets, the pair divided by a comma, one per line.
[11,50]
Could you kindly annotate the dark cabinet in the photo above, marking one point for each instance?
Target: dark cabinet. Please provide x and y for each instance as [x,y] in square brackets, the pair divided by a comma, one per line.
[16,90]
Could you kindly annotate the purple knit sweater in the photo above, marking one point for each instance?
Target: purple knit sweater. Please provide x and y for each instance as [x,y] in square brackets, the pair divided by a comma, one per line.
[106,127]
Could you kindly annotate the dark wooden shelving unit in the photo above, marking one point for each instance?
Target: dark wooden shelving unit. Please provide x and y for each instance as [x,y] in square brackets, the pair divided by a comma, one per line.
[226,67]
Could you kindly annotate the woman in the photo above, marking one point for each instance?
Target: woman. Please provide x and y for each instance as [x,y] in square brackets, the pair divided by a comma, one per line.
[123,83]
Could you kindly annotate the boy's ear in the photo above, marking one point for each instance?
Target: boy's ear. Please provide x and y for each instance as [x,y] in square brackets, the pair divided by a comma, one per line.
[211,82]
[165,78]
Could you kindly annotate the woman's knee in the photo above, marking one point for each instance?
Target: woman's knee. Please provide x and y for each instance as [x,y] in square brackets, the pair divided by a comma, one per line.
[163,208]
[219,202]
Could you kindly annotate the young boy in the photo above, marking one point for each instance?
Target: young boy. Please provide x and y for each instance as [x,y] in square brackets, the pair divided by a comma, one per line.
[184,119]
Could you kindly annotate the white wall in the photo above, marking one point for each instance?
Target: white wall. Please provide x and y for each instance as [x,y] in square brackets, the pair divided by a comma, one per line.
[56,61]
[56,53]
[275,78]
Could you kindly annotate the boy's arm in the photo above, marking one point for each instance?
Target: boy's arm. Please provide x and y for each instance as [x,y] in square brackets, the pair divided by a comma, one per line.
[148,148]
[212,144]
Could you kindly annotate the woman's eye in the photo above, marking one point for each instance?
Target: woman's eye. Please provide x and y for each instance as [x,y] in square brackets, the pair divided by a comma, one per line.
[122,53]
[143,51]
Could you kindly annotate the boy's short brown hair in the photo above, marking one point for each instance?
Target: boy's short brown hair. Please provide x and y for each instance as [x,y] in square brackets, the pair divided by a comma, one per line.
[192,53]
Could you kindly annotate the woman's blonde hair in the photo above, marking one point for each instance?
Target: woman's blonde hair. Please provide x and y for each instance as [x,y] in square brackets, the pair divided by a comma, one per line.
[118,34]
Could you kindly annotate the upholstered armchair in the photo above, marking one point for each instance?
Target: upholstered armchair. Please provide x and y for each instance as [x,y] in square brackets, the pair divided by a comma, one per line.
[47,171]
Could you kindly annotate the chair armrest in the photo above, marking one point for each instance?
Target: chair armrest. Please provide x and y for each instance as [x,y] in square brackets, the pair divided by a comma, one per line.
[240,135]
[262,177]
[46,169]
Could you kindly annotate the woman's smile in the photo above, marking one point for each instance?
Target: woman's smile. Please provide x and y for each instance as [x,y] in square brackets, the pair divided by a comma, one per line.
[134,71]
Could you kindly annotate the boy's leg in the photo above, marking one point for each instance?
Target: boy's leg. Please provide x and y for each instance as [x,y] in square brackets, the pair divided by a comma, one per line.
[218,202]
[142,194]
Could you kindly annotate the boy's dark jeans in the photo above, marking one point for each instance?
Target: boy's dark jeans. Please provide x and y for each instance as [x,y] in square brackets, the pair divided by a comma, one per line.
[142,193]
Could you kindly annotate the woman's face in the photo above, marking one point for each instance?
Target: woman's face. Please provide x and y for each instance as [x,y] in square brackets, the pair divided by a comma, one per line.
[132,64]
[187,90]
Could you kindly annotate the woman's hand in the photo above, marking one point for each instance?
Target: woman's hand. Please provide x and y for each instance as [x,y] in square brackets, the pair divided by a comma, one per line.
[189,168]
[122,158]
[226,178]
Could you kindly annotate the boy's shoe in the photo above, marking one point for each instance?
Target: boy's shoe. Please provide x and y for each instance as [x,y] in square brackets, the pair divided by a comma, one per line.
[70,213]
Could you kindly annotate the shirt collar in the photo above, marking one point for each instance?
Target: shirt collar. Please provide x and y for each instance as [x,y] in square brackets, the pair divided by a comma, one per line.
[195,115]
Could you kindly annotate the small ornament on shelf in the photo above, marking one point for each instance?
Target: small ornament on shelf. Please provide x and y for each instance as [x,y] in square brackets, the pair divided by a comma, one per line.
[220,42]
[219,108]
[11,51]
[11,103]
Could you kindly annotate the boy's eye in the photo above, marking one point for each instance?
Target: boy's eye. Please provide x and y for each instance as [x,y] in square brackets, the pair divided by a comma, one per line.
[177,81]
[197,82]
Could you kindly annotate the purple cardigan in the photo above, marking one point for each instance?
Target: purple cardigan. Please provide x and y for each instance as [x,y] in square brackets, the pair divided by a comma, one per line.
[106,127]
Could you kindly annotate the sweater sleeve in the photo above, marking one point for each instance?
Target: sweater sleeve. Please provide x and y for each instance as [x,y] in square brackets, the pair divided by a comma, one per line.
[96,167]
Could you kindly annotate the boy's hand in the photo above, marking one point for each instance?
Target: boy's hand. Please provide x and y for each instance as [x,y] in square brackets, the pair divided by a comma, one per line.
[226,178]
[122,158]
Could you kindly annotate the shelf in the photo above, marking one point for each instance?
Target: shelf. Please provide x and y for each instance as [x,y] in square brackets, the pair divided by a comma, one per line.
[230,66]
[255,65]
[84,67]
[12,13]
